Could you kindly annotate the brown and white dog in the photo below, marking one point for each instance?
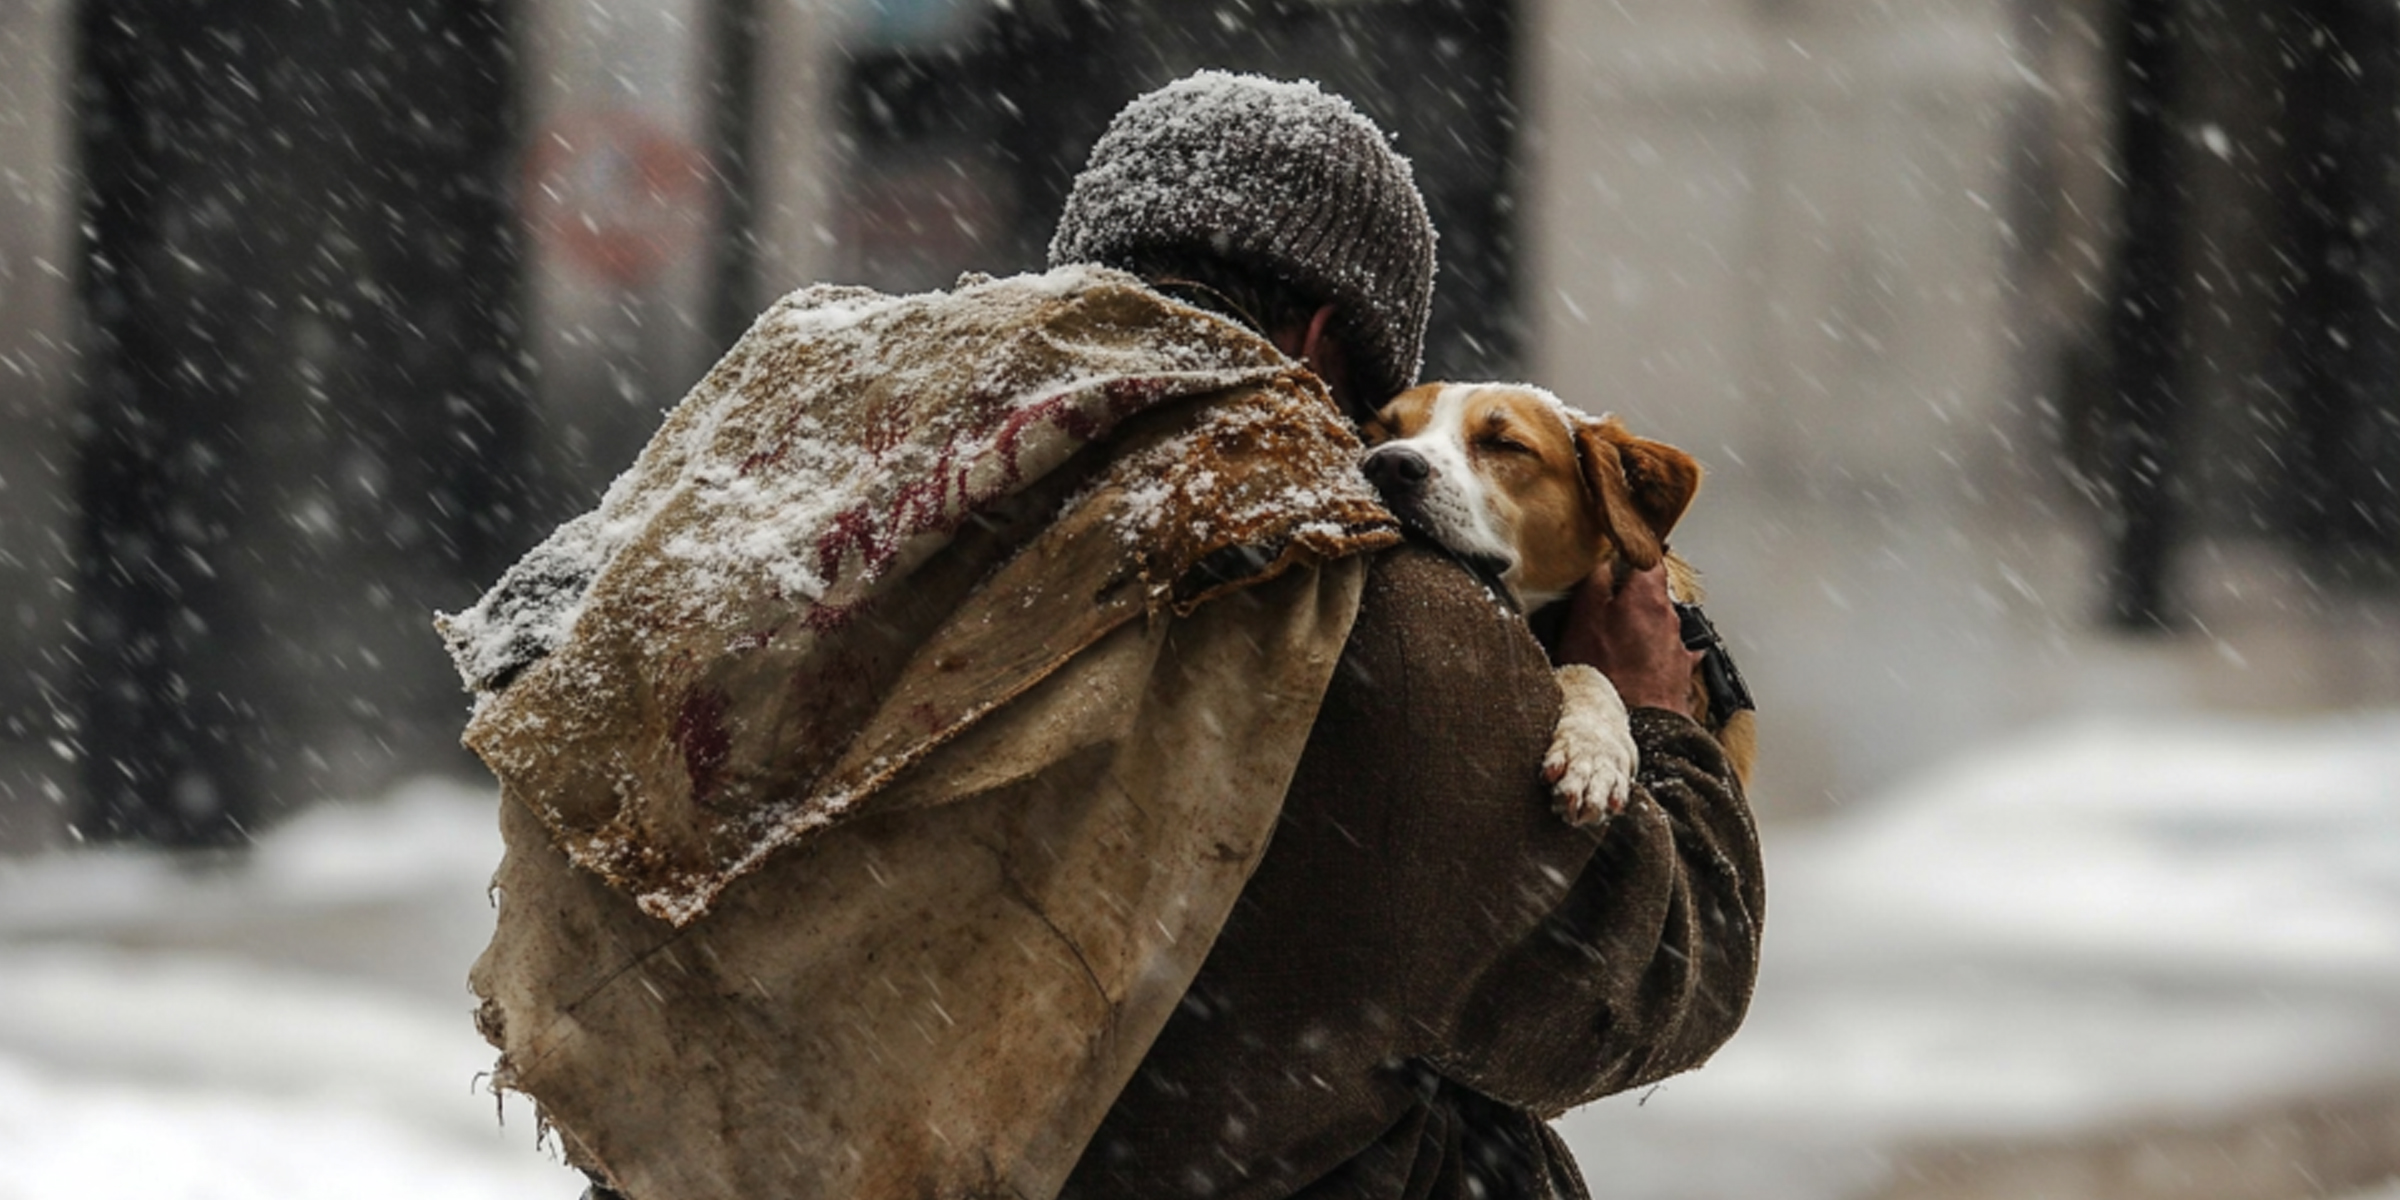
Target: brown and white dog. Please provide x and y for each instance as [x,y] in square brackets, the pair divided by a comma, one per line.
[1539,496]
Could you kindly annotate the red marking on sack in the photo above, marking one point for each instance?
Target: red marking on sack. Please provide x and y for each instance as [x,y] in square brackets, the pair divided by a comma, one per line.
[852,529]
[764,458]
[826,618]
[706,743]
[1129,396]
[940,499]
[887,429]
[924,504]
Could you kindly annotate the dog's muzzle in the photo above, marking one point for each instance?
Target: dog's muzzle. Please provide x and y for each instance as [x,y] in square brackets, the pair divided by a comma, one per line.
[1396,471]
[1404,478]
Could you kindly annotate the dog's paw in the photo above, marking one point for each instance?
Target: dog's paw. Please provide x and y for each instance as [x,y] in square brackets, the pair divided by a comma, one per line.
[1592,757]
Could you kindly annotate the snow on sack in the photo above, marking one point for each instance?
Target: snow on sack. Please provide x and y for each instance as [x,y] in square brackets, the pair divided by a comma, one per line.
[754,631]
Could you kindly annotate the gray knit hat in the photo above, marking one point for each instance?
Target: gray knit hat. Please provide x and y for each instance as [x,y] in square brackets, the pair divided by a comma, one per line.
[1274,177]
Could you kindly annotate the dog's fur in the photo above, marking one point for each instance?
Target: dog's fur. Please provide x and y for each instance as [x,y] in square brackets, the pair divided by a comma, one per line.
[1541,496]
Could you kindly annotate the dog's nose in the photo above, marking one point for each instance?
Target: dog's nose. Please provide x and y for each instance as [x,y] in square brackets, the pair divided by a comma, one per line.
[1394,468]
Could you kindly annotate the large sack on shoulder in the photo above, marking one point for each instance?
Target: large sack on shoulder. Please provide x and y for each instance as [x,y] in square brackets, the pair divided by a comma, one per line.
[881,758]
[936,1002]
[715,662]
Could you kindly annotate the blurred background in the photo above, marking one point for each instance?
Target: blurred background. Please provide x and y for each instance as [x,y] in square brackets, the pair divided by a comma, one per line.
[2042,352]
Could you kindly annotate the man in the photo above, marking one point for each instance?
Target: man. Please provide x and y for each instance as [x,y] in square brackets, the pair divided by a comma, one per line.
[888,870]
[1426,962]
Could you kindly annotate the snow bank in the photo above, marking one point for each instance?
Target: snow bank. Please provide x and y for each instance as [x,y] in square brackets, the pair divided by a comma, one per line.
[155,1041]
[425,837]
[2107,922]
[128,1073]
[2218,846]
[65,1135]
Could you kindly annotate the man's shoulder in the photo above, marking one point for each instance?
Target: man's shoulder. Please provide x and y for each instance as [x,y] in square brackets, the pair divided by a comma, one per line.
[1417,576]
[1425,605]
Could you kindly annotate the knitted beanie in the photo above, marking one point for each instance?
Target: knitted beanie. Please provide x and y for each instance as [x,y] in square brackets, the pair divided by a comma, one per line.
[1277,178]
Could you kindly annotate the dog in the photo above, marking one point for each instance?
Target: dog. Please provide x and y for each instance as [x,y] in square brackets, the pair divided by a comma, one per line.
[1537,496]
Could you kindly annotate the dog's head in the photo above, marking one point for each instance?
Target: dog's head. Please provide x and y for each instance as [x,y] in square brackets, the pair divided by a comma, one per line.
[1509,476]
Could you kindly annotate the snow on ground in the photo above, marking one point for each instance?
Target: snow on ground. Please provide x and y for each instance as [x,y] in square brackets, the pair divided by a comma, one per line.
[2107,921]
[291,1026]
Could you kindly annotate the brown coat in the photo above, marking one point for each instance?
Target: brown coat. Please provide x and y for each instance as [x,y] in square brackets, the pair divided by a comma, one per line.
[865,826]
[1427,961]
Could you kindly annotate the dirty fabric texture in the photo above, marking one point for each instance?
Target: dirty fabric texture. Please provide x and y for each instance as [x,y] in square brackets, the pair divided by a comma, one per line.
[880,760]
[815,573]
[940,998]
[1428,964]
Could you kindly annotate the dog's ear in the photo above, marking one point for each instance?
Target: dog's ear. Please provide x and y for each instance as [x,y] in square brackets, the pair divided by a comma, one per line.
[1642,487]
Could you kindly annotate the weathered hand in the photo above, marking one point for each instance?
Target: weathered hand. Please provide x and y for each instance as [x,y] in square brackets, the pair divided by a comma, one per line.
[1632,636]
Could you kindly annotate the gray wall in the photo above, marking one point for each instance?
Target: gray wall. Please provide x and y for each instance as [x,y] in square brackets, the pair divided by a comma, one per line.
[1844,251]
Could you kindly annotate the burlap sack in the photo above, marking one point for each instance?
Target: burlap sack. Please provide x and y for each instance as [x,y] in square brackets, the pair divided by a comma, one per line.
[881,758]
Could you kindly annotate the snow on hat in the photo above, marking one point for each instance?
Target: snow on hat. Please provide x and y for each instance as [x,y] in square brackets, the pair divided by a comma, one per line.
[1274,177]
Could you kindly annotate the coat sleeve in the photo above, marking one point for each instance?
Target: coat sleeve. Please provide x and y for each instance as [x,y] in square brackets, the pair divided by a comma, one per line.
[1423,924]
[1645,966]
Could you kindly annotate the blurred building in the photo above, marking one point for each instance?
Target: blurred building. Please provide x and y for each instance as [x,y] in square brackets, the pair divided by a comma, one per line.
[1851,253]
[37,513]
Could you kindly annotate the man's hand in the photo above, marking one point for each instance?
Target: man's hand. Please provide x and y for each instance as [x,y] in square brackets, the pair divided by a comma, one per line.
[1632,636]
